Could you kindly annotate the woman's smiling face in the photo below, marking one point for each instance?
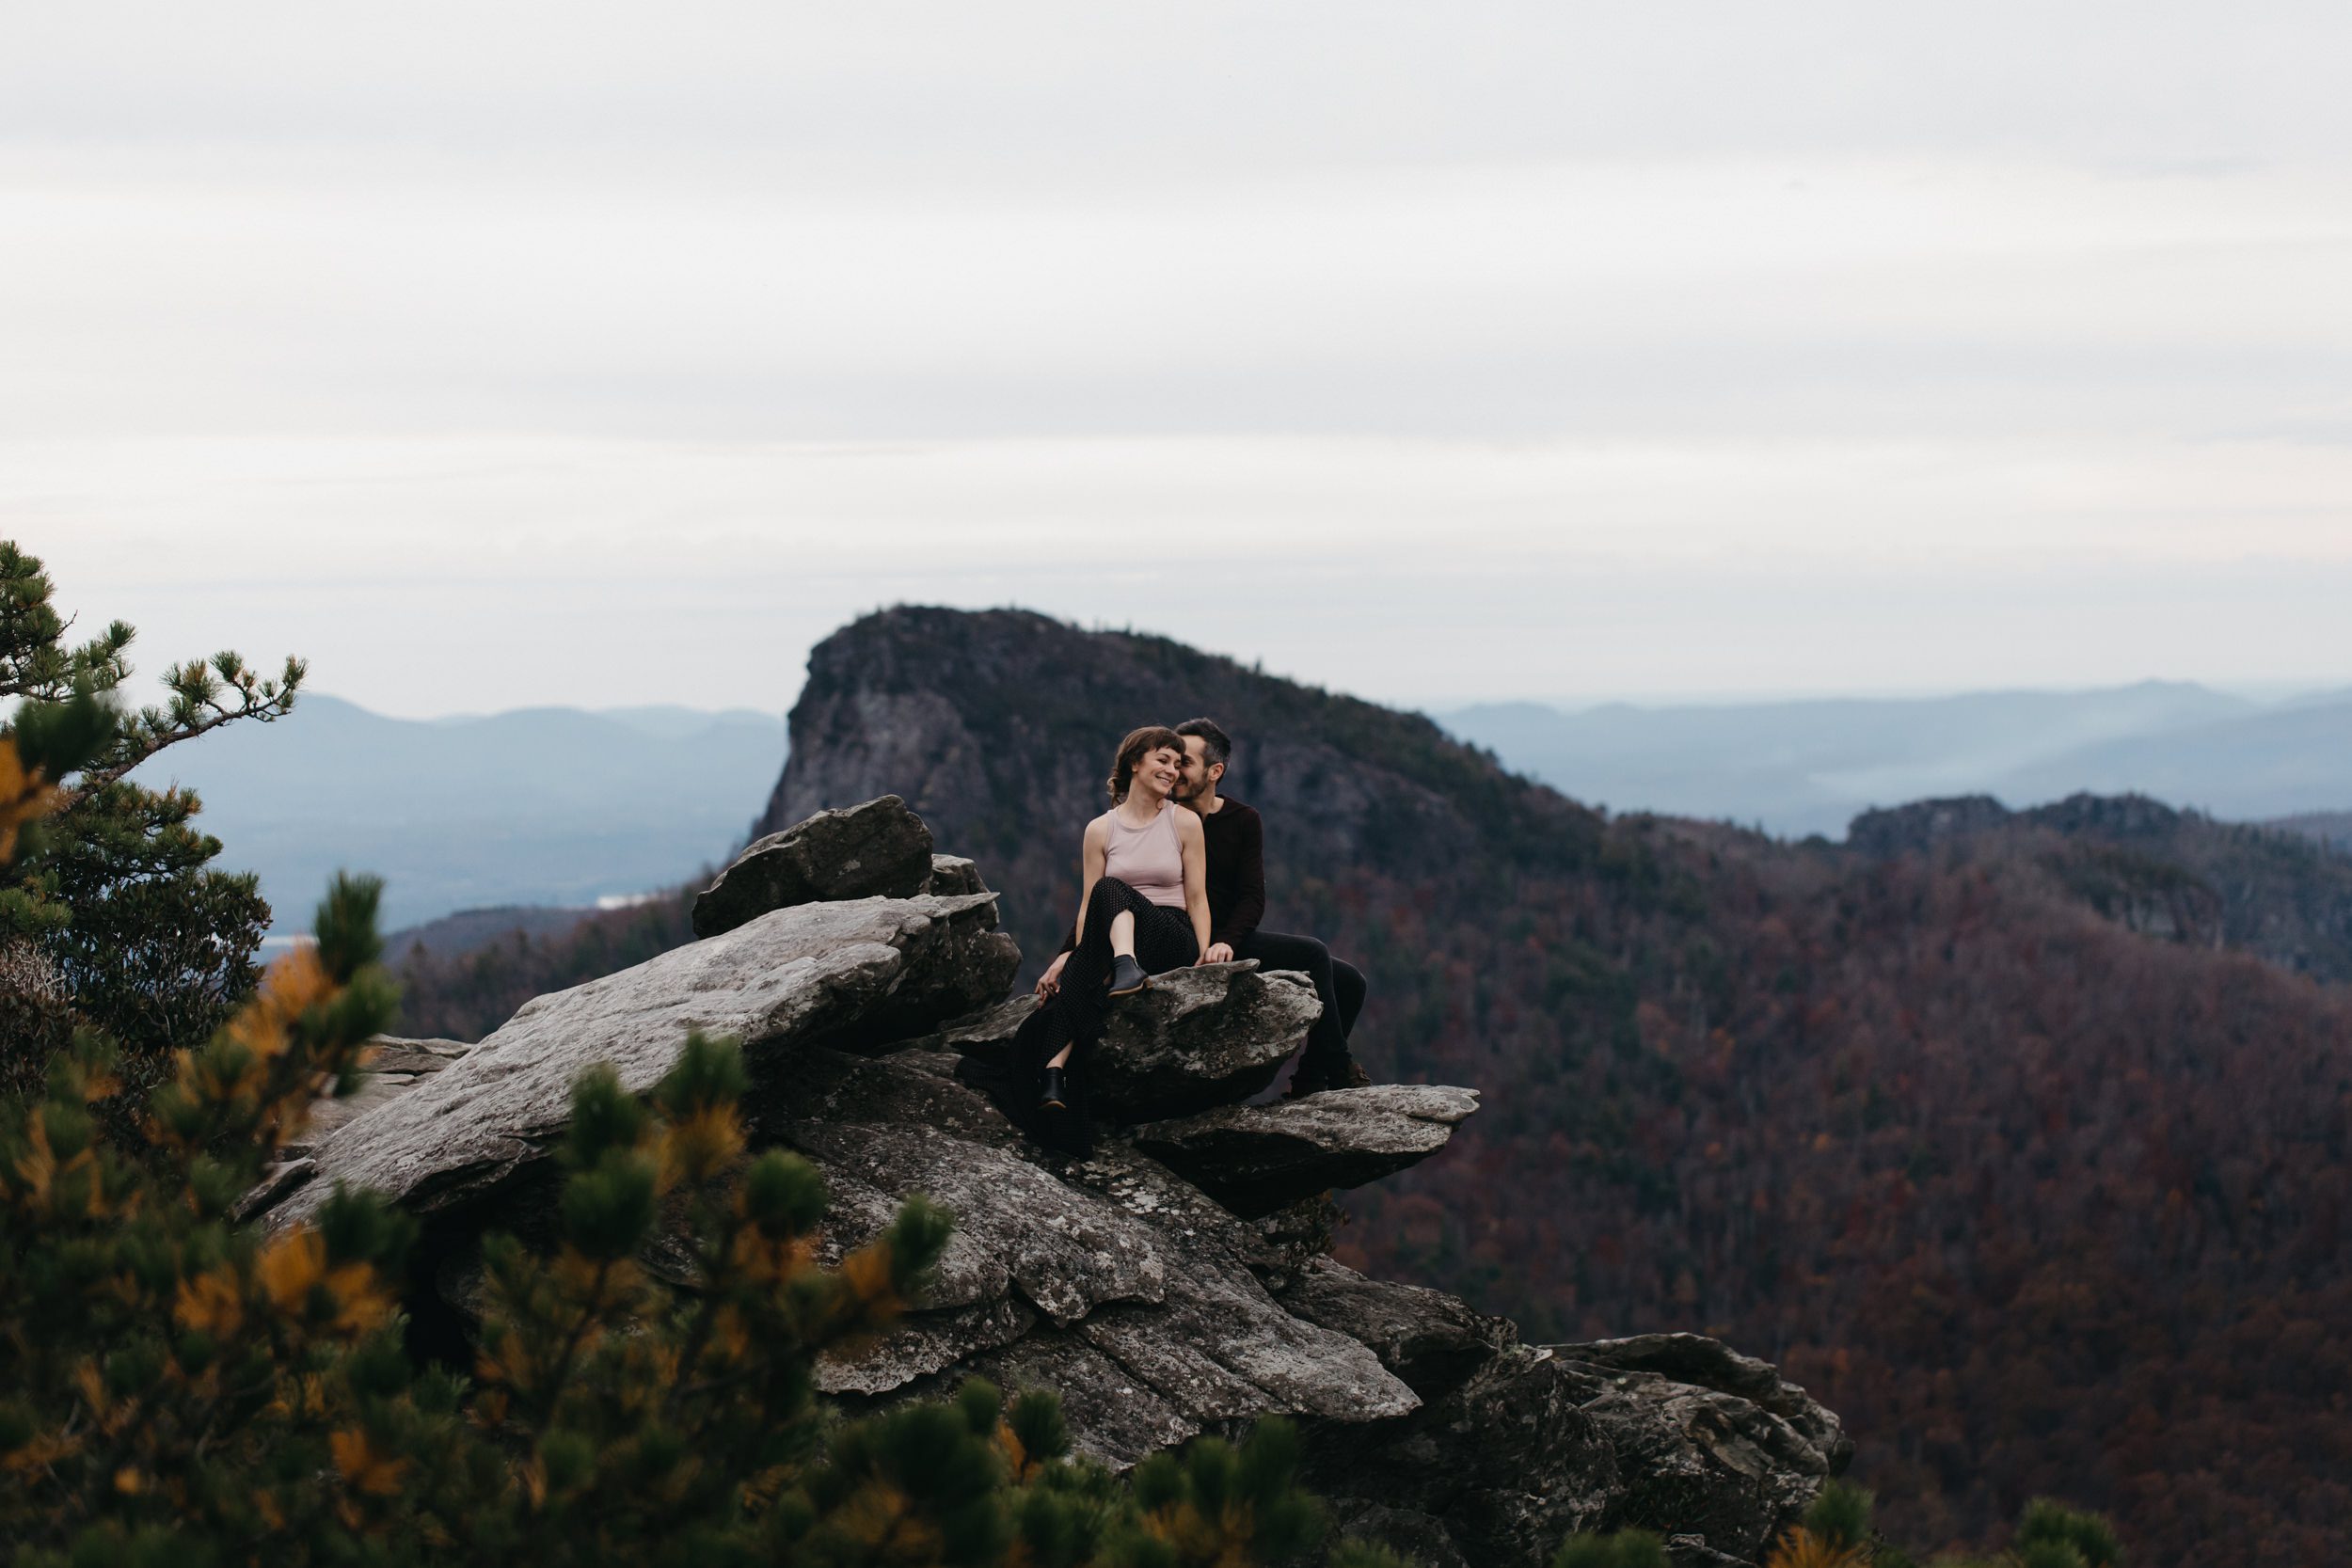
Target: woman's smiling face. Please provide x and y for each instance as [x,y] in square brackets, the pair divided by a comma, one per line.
[1159,769]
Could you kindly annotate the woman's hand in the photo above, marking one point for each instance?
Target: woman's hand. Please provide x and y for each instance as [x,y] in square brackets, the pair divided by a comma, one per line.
[1050,982]
[1218,953]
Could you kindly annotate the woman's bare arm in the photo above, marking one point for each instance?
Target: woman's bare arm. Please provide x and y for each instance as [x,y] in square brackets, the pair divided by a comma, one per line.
[1195,844]
[1093,851]
[1091,855]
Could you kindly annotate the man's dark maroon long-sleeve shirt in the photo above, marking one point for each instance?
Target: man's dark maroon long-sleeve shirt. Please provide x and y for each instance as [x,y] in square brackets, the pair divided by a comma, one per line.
[1234,838]
[1234,843]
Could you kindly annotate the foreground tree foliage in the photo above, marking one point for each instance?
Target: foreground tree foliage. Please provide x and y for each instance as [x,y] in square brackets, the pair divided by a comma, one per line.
[1837,1533]
[123,917]
[184,1389]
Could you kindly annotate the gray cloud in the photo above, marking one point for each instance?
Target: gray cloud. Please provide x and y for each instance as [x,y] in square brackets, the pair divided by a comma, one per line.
[1034,88]
[1806,346]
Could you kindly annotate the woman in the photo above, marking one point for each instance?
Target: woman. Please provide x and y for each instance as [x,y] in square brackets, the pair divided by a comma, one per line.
[1143,908]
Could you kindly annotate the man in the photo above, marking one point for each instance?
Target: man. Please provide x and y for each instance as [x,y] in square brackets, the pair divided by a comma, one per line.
[1236,874]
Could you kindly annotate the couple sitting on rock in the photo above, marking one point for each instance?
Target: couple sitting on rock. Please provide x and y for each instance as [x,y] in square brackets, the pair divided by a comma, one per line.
[1173,875]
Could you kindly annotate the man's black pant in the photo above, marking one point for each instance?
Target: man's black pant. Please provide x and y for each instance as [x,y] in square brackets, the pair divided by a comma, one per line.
[1339,985]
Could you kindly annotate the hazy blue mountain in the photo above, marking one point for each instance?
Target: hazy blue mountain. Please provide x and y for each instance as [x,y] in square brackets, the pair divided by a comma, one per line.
[2277,762]
[671,722]
[1809,767]
[551,806]
[2331,827]
[468,930]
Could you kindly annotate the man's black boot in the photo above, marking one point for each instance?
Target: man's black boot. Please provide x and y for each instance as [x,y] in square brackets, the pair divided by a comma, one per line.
[1054,1096]
[1127,976]
[1310,1077]
[1315,1077]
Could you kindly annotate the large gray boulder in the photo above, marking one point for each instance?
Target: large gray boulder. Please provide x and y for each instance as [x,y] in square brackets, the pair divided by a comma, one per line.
[1508,1464]
[394,1066]
[1110,1278]
[1517,1445]
[1255,1159]
[1066,1251]
[1192,1040]
[1708,1441]
[1198,1037]
[1538,1443]
[876,850]
[1159,1313]
[1701,1362]
[1434,1341]
[841,973]
[953,874]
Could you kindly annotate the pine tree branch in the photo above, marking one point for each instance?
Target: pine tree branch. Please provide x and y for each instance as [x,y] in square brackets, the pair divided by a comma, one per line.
[197,708]
[699,1335]
[562,1372]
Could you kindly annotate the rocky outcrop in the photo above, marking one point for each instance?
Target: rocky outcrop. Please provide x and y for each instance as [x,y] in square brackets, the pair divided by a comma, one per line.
[1708,1442]
[1696,1361]
[816,973]
[1509,1463]
[997,727]
[1672,1432]
[394,1066]
[879,849]
[1255,1159]
[1432,1340]
[1193,1039]
[1200,1038]
[1924,825]
[1168,1285]
[953,874]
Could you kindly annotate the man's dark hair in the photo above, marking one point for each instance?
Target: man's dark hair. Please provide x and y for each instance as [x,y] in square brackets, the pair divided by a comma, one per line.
[1215,745]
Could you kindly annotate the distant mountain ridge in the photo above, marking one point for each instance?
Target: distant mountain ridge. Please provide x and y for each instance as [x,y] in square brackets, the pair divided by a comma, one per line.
[539,806]
[552,807]
[1810,766]
[2331,827]
[2175,875]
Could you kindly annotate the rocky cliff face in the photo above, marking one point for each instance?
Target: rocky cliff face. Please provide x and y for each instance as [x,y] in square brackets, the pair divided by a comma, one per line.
[1172,1284]
[998,727]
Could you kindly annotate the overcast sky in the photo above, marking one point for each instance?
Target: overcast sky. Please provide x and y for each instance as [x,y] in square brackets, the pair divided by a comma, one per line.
[498,354]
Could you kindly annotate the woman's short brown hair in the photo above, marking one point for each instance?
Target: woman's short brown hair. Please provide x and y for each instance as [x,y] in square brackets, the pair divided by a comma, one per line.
[1138,745]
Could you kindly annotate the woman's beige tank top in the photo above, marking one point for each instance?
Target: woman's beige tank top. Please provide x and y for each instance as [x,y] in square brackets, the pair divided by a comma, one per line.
[1147,859]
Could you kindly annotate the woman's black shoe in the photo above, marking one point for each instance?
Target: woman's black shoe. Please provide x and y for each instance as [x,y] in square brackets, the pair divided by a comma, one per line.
[1053,1098]
[1127,976]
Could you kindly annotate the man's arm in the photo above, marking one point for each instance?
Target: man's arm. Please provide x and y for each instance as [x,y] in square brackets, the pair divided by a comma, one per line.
[1249,906]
